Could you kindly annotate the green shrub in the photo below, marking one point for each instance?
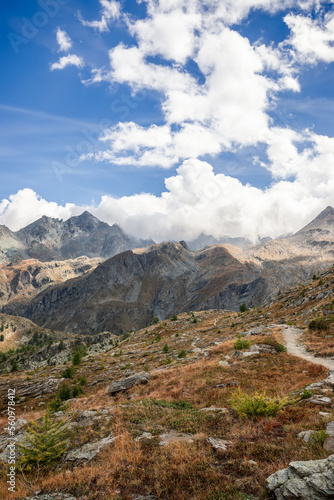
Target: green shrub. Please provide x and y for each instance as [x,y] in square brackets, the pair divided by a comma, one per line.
[243,307]
[319,324]
[318,438]
[44,443]
[240,344]
[182,354]
[168,361]
[64,392]
[77,390]
[256,405]
[2,337]
[68,372]
[78,353]
[155,320]
[306,394]
[15,366]
[82,380]
[194,320]
[158,338]
[174,318]
[165,349]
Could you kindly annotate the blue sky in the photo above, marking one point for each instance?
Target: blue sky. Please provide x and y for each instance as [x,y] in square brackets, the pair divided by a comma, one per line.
[208,110]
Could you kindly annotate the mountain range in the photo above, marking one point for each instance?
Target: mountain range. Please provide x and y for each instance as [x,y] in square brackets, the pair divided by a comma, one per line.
[128,290]
[50,239]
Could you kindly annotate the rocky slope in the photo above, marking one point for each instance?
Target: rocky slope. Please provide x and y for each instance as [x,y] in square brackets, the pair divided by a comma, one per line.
[128,290]
[22,281]
[154,417]
[53,239]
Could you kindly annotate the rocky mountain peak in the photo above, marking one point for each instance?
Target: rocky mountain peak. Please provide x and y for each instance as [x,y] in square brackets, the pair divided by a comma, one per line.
[325,218]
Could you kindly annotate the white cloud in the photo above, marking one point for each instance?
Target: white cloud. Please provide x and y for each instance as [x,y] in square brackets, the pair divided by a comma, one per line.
[169,34]
[312,39]
[64,41]
[26,206]
[196,200]
[110,10]
[69,60]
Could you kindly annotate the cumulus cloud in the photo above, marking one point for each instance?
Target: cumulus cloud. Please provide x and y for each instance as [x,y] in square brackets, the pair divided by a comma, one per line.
[26,206]
[312,39]
[69,60]
[224,104]
[64,41]
[196,200]
[110,10]
[228,106]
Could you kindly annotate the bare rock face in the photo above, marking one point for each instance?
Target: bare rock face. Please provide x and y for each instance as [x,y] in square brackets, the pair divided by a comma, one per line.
[40,387]
[128,290]
[127,383]
[89,451]
[313,479]
[49,239]
[125,292]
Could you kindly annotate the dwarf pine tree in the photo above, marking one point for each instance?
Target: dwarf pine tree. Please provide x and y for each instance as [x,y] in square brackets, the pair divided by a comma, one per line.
[44,443]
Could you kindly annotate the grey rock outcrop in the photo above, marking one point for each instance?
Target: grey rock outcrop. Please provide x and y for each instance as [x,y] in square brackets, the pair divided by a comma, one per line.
[31,388]
[219,444]
[127,383]
[311,480]
[88,451]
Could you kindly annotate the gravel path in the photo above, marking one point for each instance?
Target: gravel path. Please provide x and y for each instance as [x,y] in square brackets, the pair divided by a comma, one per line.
[292,341]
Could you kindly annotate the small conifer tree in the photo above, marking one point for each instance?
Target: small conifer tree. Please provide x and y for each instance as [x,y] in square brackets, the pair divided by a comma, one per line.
[44,443]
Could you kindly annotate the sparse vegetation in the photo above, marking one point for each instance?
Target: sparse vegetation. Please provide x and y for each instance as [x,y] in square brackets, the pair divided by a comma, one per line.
[241,343]
[256,405]
[182,354]
[243,307]
[45,443]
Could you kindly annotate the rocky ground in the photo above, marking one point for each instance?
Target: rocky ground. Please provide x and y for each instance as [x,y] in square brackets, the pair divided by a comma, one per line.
[156,417]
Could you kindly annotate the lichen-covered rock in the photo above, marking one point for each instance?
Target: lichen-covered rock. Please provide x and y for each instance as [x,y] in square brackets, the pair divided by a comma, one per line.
[127,383]
[88,451]
[311,480]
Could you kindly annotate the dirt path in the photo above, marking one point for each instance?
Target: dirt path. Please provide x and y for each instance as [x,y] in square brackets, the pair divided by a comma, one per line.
[292,340]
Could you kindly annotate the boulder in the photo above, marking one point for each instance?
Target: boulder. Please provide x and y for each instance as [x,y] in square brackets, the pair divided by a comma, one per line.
[145,435]
[88,451]
[320,400]
[306,436]
[313,479]
[219,444]
[127,383]
[263,348]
